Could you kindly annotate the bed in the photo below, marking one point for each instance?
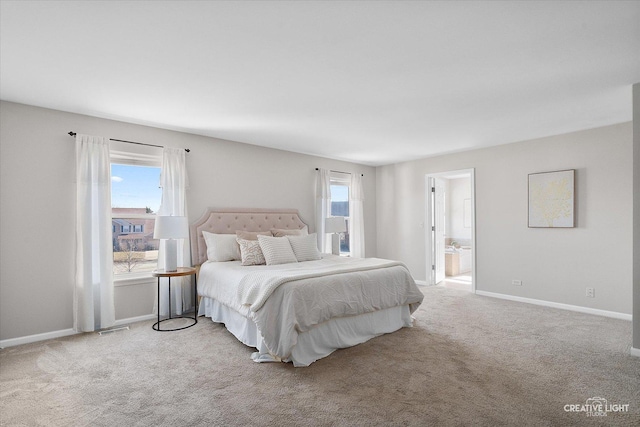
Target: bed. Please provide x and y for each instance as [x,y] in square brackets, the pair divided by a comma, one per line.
[293,310]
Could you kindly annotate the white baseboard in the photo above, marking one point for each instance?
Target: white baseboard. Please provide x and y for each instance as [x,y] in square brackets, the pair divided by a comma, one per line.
[144,318]
[37,337]
[635,352]
[421,282]
[66,332]
[587,310]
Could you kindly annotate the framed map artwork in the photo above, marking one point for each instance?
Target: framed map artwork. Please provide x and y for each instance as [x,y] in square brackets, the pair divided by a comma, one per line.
[551,199]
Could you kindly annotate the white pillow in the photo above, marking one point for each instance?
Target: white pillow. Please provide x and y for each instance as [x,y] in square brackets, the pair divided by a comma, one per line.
[276,250]
[251,252]
[305,248]
[221,247]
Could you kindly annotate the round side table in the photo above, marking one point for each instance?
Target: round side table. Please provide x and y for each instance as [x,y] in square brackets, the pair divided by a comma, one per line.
[181,271]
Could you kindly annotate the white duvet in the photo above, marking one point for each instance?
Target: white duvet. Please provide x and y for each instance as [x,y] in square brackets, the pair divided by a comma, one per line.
[285,300]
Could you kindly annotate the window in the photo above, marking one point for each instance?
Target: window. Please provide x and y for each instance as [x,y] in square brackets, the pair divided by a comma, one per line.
[135,199]
[340,205]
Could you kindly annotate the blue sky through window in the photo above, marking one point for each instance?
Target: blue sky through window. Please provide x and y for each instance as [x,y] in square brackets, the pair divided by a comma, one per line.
[135,187]
[339,193]
[339,200]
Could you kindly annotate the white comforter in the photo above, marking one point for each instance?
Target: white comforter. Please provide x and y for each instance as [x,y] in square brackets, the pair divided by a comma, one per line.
[285,300]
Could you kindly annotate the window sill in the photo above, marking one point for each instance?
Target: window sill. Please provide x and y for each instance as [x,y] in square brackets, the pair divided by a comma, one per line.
[132,280]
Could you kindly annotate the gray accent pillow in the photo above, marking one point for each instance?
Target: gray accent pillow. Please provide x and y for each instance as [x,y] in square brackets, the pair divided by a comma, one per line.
[305,248]
[280,232]
[251,235]
[276,250]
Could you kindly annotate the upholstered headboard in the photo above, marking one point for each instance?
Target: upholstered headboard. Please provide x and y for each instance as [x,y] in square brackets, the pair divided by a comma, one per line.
[228,221]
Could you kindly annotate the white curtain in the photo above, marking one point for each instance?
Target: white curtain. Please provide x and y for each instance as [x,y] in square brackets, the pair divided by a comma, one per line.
[323,203]
[356,212]
[173,180]
[93,306]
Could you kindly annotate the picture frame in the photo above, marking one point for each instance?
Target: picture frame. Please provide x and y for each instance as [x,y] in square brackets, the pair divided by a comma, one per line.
[551,199]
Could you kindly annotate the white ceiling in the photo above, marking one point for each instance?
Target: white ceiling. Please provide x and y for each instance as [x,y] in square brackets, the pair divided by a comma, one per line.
[369,82]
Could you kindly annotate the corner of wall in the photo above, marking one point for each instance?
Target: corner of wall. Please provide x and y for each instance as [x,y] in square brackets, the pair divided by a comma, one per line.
[636,217]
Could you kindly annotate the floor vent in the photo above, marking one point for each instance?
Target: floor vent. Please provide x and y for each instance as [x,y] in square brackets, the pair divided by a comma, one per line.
[108,331]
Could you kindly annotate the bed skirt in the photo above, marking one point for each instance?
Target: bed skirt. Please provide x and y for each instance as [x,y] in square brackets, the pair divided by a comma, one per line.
[316,343]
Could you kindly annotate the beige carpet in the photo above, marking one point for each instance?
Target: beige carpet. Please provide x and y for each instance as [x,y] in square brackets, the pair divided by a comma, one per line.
[469,360]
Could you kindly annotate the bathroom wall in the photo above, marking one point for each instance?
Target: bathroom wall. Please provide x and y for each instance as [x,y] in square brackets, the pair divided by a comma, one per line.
[459,230]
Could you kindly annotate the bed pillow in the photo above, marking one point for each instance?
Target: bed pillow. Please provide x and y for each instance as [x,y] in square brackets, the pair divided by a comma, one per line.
[280,232]
[305,248]
[221,247]
[276,250]
[250,252]
[251,235]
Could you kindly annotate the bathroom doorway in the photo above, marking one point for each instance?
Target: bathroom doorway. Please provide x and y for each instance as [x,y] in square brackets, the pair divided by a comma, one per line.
[450,229]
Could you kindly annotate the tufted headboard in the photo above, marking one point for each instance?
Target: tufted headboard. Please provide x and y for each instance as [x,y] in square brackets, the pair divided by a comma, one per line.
[227,221]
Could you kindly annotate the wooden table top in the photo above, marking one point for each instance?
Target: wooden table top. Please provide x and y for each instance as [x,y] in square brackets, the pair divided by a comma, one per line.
[182,271]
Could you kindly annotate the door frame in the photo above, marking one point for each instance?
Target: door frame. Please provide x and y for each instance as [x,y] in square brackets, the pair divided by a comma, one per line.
[435,223]
[471,172]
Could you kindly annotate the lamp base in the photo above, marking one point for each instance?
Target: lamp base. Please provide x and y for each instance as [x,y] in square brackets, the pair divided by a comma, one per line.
[335,244]
[170,255]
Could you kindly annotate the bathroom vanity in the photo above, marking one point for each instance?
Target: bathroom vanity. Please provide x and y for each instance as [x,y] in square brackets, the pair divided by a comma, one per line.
[457,261]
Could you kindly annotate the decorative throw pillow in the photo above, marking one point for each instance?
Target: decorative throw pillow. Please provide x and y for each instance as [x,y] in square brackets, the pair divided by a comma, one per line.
[305,248]
[251,235]
[280,232]
[251,252]
[276,250]
[221,247]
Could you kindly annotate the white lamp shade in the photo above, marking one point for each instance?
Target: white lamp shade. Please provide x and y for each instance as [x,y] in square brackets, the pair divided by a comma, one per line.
[171,227]
[335,224]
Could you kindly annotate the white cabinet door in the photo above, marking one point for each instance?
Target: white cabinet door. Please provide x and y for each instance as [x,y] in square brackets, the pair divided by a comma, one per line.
[465,260]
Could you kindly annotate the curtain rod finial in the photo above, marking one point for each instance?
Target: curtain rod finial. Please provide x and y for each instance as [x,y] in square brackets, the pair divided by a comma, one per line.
[72,133]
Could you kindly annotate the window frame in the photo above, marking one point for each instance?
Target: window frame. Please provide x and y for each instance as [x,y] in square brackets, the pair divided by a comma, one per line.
[344,180]
[134,155]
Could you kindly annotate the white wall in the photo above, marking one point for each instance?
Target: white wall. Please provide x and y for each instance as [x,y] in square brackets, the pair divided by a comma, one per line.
[554,264]
[37,209]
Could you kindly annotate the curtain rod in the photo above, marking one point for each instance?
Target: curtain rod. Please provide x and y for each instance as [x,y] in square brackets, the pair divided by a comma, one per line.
[72,133]
[348,173]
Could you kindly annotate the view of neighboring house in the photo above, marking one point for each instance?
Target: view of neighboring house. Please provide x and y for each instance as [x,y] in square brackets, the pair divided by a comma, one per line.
[132,233]
[134,248]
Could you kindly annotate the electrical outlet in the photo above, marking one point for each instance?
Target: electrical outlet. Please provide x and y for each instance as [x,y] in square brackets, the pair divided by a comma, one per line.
[516,282]
[591,292]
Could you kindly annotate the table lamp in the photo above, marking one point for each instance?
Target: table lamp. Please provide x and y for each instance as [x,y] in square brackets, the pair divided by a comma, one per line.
[170,228]
[335,225]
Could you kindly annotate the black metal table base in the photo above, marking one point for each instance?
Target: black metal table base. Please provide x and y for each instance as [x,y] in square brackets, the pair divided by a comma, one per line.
[156,326]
